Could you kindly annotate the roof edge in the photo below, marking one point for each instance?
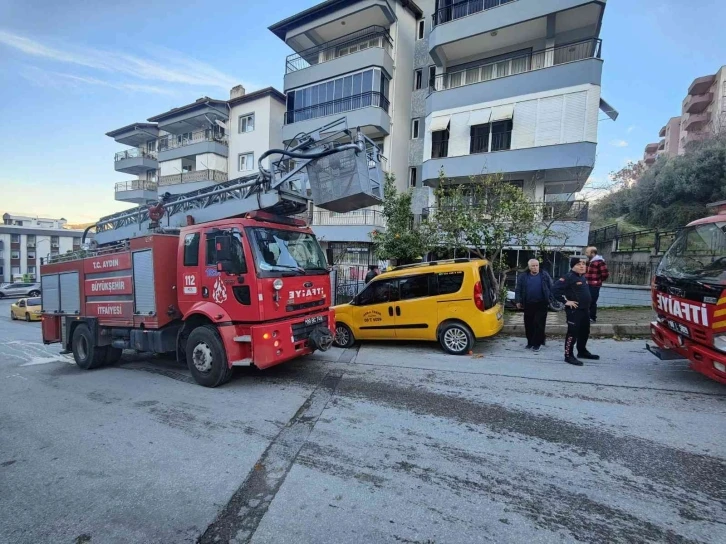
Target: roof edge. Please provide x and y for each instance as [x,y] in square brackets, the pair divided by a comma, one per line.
[267,91]
[132,126]
[204,101]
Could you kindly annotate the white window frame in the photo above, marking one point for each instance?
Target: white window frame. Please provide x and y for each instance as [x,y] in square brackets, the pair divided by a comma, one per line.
[13,270]
[246,117]
[13,253]
[415,129]
[251,156]
[416,85]
[421,29]
[14,238]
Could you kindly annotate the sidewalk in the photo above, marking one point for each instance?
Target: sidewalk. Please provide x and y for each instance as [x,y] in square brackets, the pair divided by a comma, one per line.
[610,322]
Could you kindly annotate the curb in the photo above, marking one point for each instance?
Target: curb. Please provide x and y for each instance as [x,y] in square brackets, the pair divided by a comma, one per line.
[596,329]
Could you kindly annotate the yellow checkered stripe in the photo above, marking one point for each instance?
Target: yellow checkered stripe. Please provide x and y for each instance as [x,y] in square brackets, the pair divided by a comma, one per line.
[719,315]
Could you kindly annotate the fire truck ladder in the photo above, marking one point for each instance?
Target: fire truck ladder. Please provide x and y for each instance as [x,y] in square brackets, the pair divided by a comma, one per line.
[336,176]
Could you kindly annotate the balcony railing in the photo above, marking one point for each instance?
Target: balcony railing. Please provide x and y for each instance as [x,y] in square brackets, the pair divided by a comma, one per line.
[518,65]
[372,36]
[335,107]
[136,185]
[134,154]
[569,210]
[458,10]
[191,177]
[500,141]
[174,141]
[360,217]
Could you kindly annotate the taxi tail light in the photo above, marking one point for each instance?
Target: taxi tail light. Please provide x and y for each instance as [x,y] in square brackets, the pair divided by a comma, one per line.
[479,296]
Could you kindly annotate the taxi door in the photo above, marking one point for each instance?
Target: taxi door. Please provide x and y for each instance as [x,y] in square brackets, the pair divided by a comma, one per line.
[374,313]
[416,312]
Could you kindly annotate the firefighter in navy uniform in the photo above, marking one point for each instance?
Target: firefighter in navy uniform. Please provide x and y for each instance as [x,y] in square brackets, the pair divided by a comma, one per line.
[575,293]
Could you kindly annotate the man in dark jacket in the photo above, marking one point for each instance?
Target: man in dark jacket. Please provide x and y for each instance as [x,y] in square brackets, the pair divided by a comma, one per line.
[373,271]
[533,293]
[575,293]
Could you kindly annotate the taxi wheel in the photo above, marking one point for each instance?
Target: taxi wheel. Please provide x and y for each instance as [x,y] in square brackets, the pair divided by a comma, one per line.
[12,316]
[27,316]
[343,336]
[456,338]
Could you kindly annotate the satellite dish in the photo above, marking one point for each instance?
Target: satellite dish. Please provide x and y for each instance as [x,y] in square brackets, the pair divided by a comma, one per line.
[220,123]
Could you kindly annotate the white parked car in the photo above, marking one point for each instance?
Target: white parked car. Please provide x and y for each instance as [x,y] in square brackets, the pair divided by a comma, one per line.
[19,290]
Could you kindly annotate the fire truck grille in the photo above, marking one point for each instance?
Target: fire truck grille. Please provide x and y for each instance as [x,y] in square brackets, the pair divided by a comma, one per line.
[301,330]
[305,305]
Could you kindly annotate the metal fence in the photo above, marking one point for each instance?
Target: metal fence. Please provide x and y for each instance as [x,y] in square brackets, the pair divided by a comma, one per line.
[646,240]
[630,273]
[603,234]
[340,105]
[346,281]
[457,10]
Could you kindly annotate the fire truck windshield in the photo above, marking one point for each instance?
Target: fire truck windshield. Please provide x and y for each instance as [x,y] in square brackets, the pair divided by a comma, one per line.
[287,251]
[698,253]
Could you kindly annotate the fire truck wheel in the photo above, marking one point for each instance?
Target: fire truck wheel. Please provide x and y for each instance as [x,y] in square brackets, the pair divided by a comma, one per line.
[206,358]
[113,355]
[85,352]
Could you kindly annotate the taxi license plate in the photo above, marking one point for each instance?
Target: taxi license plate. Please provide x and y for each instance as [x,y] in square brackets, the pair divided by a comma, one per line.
[680,329]
[499,316]
[315,320]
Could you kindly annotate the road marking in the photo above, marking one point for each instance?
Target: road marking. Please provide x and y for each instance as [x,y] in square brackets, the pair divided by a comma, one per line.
[43,361]
[239,519]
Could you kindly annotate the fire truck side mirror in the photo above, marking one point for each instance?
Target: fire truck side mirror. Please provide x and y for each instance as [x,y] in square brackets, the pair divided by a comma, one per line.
[225,259]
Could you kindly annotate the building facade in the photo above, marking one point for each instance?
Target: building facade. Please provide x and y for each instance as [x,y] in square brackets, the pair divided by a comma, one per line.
[505,87]
[703,110]
[24,240]
[198,145]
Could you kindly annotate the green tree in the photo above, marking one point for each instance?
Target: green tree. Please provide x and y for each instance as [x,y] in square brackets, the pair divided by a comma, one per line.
[483,217]
[403,239]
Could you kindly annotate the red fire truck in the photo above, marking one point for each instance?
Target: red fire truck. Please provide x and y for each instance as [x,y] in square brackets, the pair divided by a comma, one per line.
[689,297]
[222,276]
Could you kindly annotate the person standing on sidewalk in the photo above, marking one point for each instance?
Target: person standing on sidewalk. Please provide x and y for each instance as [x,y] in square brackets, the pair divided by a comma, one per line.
[533,293]
[574,291]
[597,272]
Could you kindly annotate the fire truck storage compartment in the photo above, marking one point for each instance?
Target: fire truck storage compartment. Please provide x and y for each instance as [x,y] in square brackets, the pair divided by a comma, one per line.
[342,182]
[70,296]
[144,297]
[50,293]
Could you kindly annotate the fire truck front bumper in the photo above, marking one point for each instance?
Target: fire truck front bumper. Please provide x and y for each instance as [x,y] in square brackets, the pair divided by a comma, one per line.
[703,359]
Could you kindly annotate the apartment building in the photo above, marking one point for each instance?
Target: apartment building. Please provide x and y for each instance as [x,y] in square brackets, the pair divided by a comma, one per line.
[703,110]
[650,155]
[198,145]
[508,87]
[671,137]
[25,239]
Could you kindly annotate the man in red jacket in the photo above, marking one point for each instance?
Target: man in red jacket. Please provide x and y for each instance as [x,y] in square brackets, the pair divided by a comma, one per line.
[597,272]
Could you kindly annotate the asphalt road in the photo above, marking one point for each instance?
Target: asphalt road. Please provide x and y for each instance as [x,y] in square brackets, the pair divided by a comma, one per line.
[391,443]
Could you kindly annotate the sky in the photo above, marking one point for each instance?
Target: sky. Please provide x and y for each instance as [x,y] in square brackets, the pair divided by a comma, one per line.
[72,71]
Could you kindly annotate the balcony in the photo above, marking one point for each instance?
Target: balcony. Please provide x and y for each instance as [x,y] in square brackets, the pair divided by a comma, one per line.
[651,148]
[562,66]
[367,110]
[464,9]
[566,165]
[696,121]
[469,28]
[371,46]
[566,210]
[212,176]
[345,227]
[176,146]
[662,132]
[135,161]
[136,191]
[650,159]
[697,103]
[701,85]
[661,145]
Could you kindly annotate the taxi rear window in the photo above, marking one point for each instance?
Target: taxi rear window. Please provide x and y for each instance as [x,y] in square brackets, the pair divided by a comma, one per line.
[450,282]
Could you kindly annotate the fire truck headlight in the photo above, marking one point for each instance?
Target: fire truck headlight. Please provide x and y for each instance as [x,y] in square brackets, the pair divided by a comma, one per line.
[719,342]
[277,284]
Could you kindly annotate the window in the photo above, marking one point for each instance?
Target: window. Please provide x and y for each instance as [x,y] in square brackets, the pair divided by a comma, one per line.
[412,176]
[421,29]
[151,146]
[417,79]
[15,270]
[246,123]
[238,256]
[378,292]
[450,282]
[30,240]
[31,270]
[14,254]
[191,249]
[15,238]
[31,255]
[414,287]
[414,129]
[246,162]
[432,77]
[440,144]
[491,137]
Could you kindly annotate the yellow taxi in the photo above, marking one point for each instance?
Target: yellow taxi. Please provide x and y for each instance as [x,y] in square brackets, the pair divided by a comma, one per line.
[26,308]
[452,302]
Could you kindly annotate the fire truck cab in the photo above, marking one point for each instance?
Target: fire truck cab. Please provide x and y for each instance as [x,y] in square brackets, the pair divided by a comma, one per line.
[235,292]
